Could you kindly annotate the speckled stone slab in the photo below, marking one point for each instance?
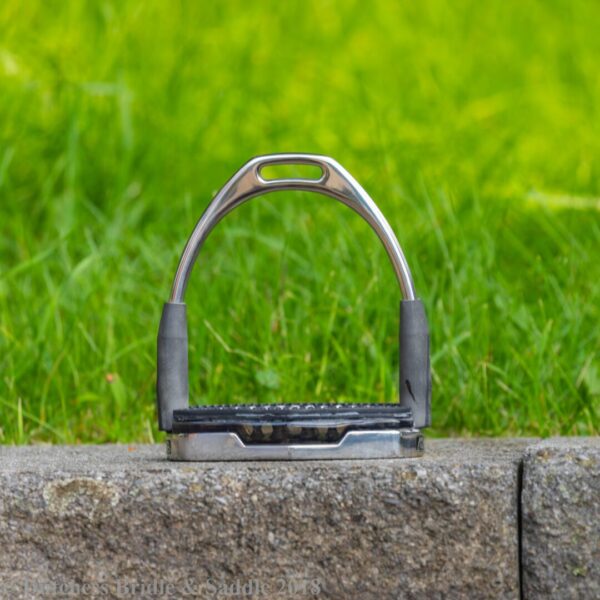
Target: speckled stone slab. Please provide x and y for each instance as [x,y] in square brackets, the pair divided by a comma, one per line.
[561,519]
[121,521]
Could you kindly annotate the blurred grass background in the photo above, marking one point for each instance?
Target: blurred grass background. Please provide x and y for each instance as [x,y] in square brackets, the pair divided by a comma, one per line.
[474,125]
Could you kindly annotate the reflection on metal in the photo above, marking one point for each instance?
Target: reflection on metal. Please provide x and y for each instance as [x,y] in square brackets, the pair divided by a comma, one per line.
[335,182]
[398,443]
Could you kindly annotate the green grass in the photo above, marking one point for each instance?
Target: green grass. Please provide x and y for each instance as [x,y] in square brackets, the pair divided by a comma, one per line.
[474,125]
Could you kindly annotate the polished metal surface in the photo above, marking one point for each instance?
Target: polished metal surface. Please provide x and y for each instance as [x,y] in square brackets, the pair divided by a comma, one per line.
[337,183]
[248,182]
[395,443]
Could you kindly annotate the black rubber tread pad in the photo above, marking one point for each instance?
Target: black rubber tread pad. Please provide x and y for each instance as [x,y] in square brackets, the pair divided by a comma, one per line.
[291,423]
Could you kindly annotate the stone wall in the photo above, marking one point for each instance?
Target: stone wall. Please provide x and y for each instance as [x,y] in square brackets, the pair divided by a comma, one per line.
[472,519]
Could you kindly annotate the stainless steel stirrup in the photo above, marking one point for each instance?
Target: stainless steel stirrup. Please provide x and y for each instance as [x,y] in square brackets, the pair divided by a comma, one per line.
[293,431]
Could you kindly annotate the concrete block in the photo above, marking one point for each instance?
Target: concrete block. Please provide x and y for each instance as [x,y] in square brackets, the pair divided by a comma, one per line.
[561,519]
[118,518]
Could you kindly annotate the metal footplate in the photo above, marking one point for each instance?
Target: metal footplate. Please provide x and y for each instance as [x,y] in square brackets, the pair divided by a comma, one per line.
[293,431]
[393,443]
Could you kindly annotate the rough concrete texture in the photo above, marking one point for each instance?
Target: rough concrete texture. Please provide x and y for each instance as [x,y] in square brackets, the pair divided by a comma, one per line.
[97,521]
[561,519]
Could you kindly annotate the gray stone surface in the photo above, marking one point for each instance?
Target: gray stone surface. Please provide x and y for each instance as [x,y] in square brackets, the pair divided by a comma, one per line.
[90,520]
[561,519]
